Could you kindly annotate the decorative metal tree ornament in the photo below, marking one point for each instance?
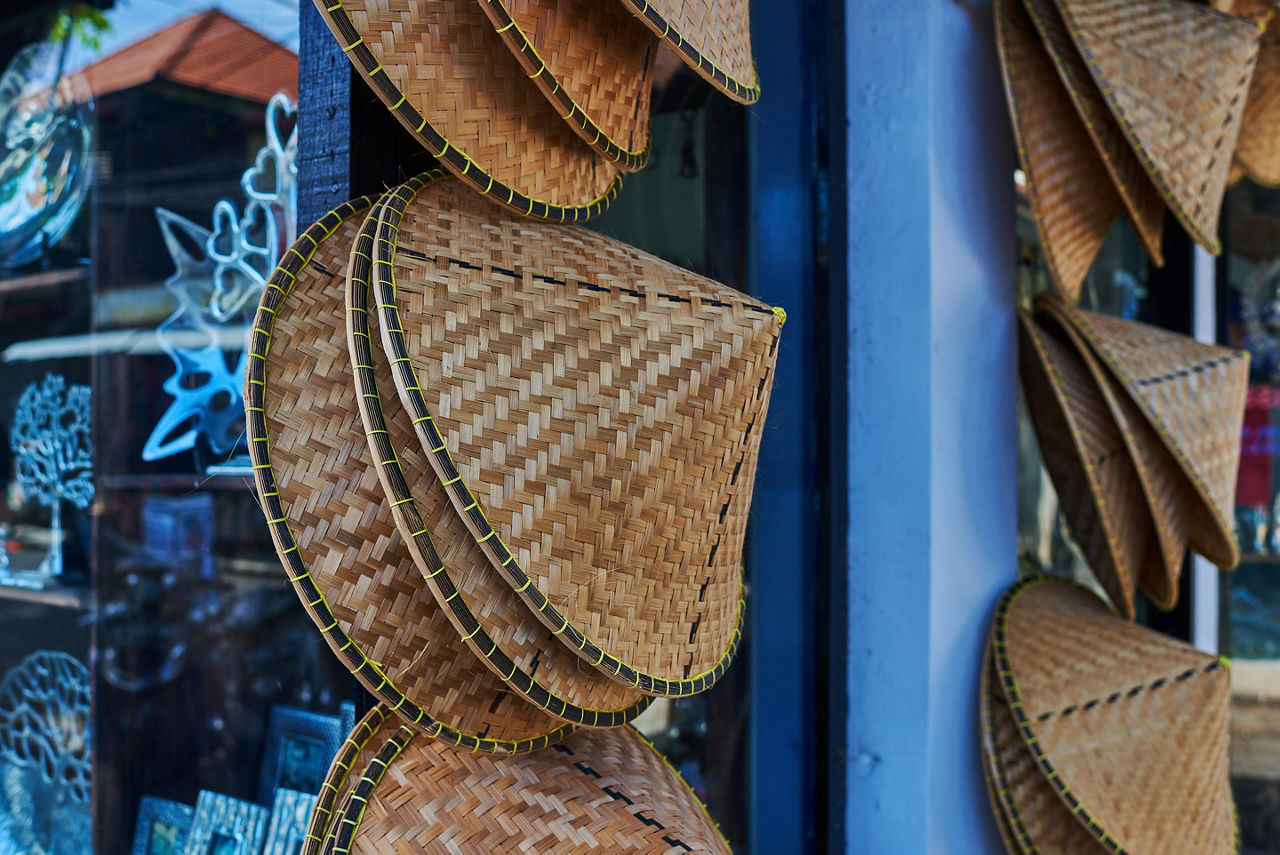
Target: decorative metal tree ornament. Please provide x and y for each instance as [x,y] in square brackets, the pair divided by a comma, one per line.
[45,765]
[45,152]
[219,276]
[53,453]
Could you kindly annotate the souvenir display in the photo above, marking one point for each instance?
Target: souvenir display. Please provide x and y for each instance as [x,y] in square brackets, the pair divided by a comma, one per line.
[297,752]
[288,826]
[53,454]
[45,754]
[162,827]
[222,825]
[46,151]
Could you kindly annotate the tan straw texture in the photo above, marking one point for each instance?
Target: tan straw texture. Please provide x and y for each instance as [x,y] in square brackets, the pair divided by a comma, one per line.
[1129,726]
[447,77]
[1172,500]
[595,414]
[1141,200]
[1175,75]
[1088,461]
[1193,394]
[713,37]
[1073,201]
[1258,149]
[484,612]
[602,791]
[593,61]
[1033,818]
[331,522]
[354,756]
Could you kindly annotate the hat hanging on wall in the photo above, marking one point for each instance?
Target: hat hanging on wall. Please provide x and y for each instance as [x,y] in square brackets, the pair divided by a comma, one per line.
[595,415]
[450,81]
[713,37]
[1082,447]
[481,612]
[355,755]
[1175,75]
[1127,728]
[1258,148]
[1073,201]
[1169,494]
[593,61]
[1193,394]
[331,521]
[605,790]
[1141,200]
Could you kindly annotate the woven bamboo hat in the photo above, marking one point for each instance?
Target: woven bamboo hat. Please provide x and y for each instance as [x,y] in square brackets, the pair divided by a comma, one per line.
[1258,148]
[593,61]
[331,522]
[603,791]
[1174,74]
[356,753]
[485,613]
[595,414]
[1193,394]
[1129,728]
[1072,199]
[1169,495]
[447,77]
[1141,200]
[1085,453]
[713,37]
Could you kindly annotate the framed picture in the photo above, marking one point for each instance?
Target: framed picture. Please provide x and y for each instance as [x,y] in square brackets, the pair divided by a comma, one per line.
[299,748]
[162,827]
[288,826]
[226,826]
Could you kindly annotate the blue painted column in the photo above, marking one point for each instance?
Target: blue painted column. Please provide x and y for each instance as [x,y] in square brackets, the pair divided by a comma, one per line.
[931,534]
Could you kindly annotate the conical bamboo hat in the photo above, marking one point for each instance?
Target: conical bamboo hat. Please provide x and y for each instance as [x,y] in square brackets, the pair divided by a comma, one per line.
[1169,494]
[357,751]
[603,791]
[713,37]
[594,63]
[332,523]
[1086,456]
[1175,75]
[1141,200]
[1073,201]
[595,414]
[1258,149]
[485,614]
[1193,394]
[446,76]
[1129,726]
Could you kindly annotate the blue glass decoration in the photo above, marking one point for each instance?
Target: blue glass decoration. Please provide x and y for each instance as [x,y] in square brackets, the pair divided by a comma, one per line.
[45,152]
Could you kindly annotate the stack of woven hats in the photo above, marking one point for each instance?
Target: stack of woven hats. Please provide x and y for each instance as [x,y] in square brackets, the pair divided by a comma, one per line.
[506,463]
[1099,735]
[1136,106]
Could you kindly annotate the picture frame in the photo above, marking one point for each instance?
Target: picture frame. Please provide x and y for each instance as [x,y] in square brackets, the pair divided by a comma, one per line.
[299,747]
[162,827]
[223,825]
[288,828]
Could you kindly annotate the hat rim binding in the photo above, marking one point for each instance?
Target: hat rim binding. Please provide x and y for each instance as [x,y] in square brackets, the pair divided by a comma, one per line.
[449,155]
[536,67]
[1074,87]
[1154,170]
[1227,546]
[396,744]
[1013,695]
[1014,834]
[1052,309]
[469,508]
[318,823]
[1078,456]
[418,539]
[1020,134]
[314,601]
[743,93]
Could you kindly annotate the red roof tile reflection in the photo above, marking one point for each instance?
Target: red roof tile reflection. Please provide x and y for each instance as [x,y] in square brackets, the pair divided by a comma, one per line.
[210,51]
